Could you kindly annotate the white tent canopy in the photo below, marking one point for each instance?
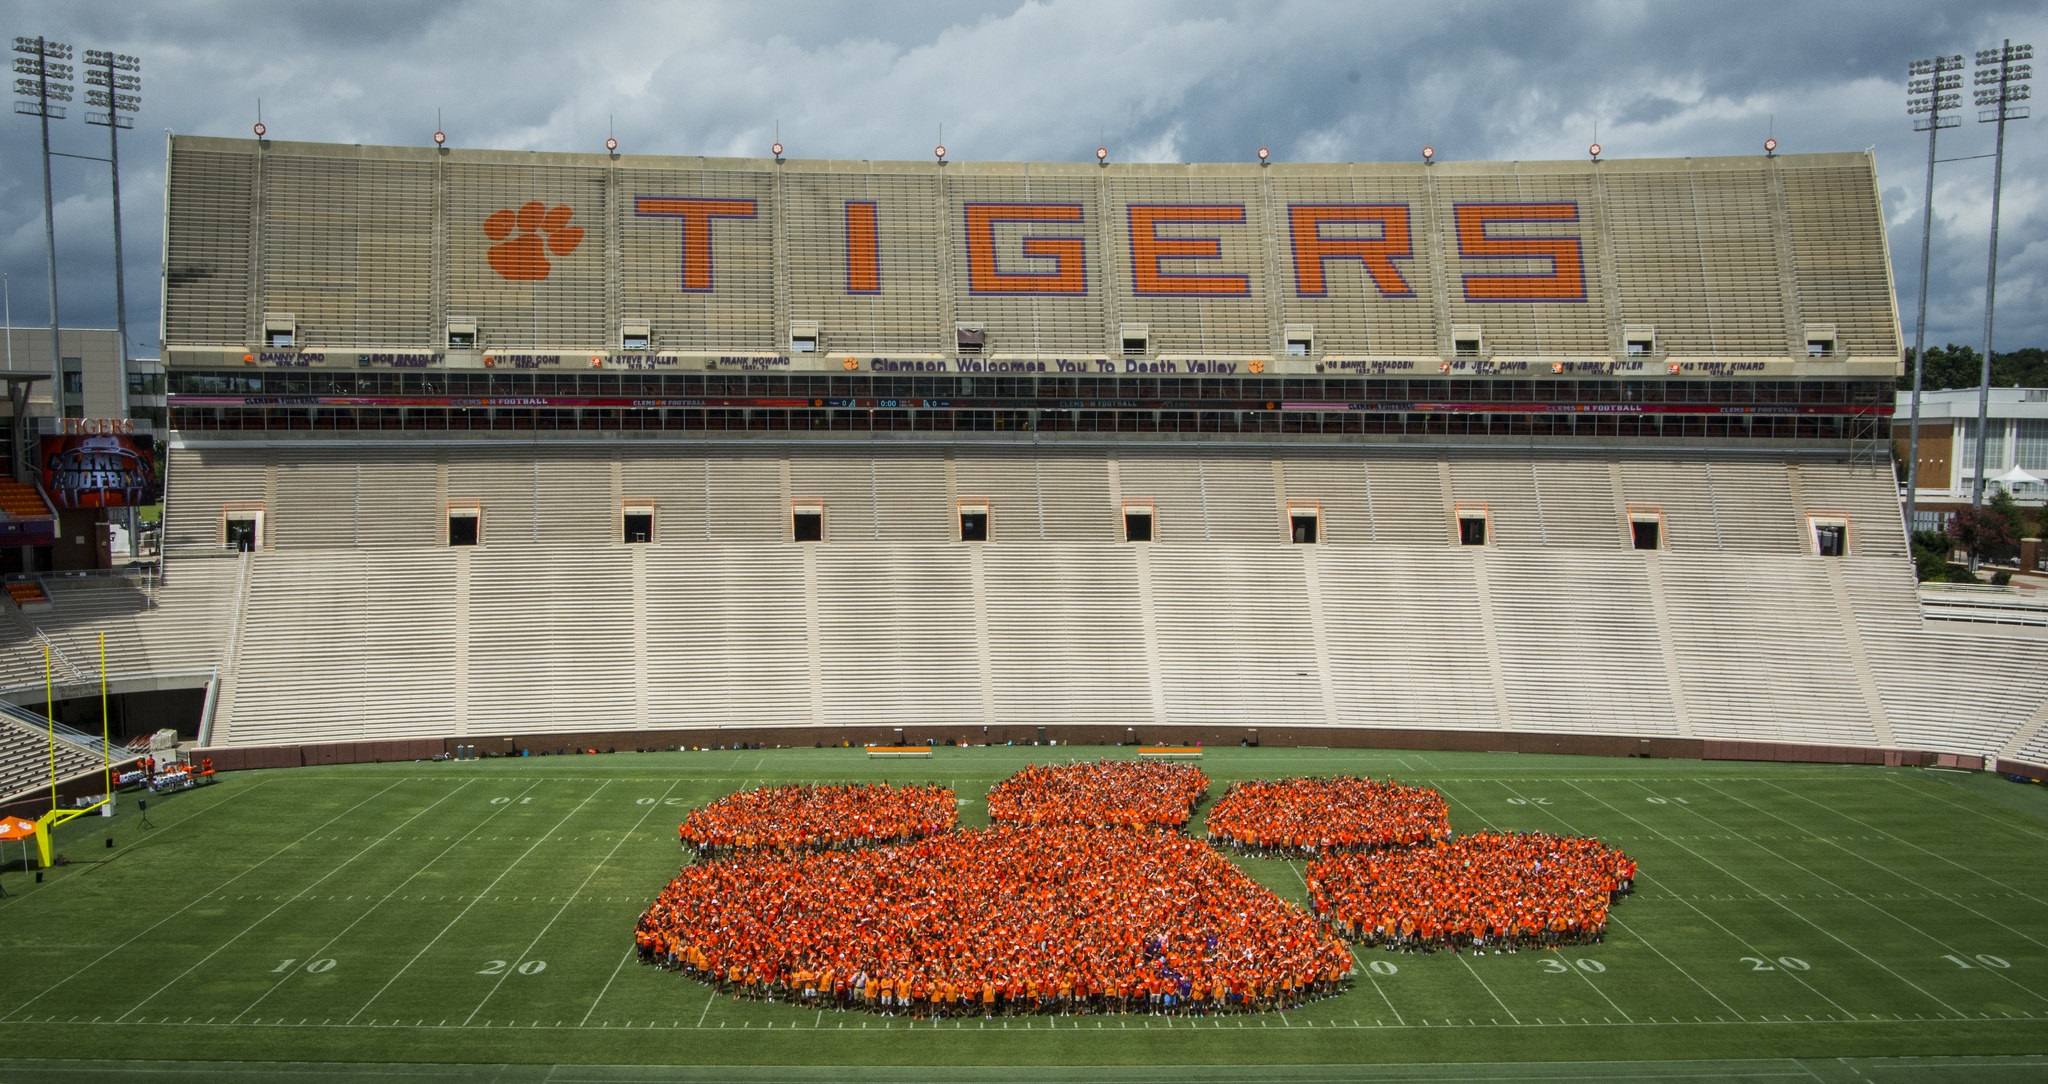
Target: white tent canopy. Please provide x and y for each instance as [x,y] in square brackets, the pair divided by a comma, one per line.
[2018,477]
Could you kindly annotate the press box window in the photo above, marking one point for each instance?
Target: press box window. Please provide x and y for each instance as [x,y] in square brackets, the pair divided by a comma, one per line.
[636,523]
[280,331]
[1301,339]
[465,525]
[803,337]
[1137,521]
[1474,526]
[807,521]
[1136,338]
[636,335]
[461,333]
[1830,535]
[1646,528]
[973,521]
[1304,524]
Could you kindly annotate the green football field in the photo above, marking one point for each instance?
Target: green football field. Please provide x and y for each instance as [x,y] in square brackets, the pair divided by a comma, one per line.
[474,920]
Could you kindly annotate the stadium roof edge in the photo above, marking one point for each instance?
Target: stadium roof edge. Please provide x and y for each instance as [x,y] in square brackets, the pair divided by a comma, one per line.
[1079,168]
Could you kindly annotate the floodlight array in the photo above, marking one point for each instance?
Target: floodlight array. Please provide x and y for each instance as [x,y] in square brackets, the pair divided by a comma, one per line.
[2002,76]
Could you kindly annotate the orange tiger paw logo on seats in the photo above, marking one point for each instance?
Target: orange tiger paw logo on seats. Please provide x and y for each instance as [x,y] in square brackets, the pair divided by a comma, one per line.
[526,237]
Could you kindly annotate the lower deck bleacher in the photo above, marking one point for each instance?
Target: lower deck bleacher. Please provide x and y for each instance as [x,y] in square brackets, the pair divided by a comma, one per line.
[1733,630]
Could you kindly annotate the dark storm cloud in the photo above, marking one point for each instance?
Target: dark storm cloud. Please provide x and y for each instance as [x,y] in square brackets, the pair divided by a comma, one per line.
[1315,80]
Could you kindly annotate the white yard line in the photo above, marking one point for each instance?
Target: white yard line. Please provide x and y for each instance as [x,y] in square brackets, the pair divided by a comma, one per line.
[2022,893]
[1732,935]
[1512,1018]
[1690,977]
[1794,912]
[145,931]
[623,957]
[428,864]
[170,831]
[598,865]
[479,898]
[365,849]
[1912,927]
[1935,794]
[1868,1020]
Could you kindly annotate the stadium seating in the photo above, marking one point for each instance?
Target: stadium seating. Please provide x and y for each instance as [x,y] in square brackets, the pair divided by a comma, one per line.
[20,500]
[361,624]
[26,751]
[1732,631]
[1475,501]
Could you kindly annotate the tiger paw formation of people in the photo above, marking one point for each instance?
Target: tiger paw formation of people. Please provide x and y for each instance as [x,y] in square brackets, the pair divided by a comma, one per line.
[1087,895]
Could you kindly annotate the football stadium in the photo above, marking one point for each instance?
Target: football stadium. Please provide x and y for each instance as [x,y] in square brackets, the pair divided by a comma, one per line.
[896,531]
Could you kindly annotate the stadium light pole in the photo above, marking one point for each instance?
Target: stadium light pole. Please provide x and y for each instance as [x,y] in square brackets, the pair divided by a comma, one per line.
[2001,81]
[50,86]
[110,77]
[1929,85]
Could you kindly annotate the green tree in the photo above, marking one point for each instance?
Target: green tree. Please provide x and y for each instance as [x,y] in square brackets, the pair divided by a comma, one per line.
[1990,533]
[1953,366]
[2027,368]
[1931,550]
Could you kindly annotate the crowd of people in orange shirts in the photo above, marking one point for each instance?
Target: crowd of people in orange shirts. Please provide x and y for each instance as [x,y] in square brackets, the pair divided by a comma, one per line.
[1308,817]
[1487,890]
[820,817]
[1110,793]
[1003,920]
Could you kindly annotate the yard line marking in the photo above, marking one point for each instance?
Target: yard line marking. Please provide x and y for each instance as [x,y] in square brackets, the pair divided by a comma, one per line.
[1489,989]
[167,832]
[2013,891]
[598,865]
[1913,927]
[1794,912]
[1816,991]
[623,957]
[472,903]
[322,951]
[1928,791]
[1613,917]
[197,899]
[365,849]
[1374,979]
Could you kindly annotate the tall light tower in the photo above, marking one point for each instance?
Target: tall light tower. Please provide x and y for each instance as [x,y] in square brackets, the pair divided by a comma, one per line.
[2001,82]
[44,84]
[114,83]
[1932,86]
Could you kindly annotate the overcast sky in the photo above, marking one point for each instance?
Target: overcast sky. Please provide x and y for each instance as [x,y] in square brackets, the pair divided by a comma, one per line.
[1315,80]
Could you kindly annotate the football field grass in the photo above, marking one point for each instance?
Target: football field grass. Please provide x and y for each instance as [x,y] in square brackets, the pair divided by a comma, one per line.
[478,917]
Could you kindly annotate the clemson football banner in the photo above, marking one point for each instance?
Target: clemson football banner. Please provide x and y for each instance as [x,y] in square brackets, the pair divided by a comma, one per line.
[104,470]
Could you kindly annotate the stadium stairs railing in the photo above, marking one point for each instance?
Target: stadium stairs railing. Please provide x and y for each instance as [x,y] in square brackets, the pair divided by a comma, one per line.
[76,737]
